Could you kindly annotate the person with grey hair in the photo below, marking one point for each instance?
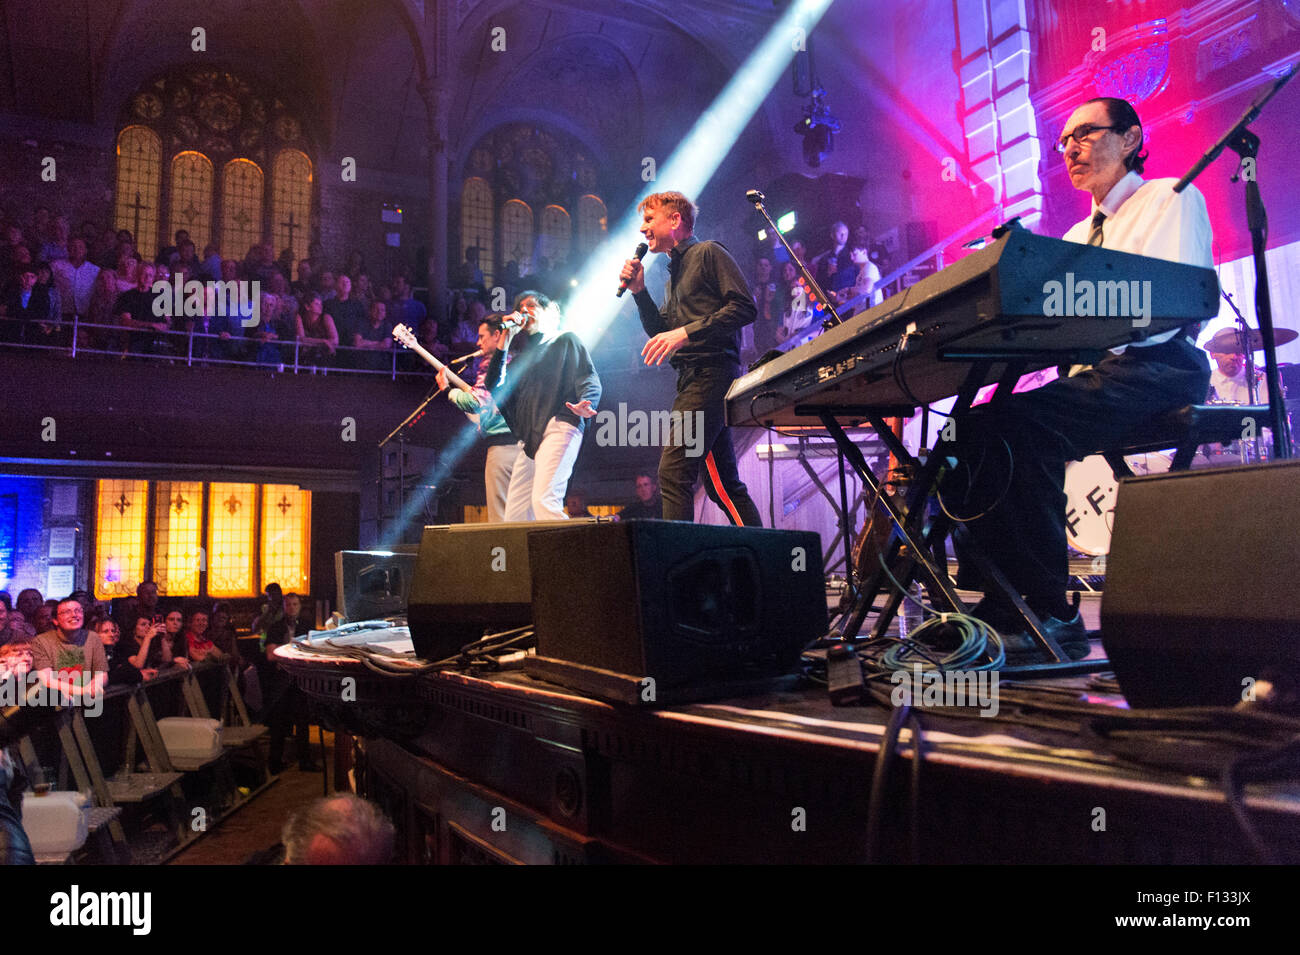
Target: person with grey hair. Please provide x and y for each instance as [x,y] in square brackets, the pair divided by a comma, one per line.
[342,829]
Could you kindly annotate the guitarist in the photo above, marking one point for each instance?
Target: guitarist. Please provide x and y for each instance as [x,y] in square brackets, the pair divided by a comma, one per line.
[546,393]
[505,451]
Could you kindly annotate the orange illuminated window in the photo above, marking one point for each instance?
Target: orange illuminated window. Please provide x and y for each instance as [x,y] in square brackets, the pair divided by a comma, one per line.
[241,202]
[286,537]
[232,518]
[591,222]
[517,234]
[177,536]
[291,202]
[557,235]
[191,197]
[476,224]
[122,511]
[139,178]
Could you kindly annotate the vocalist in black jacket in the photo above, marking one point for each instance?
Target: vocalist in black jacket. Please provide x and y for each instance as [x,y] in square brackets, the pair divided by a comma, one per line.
[706,304]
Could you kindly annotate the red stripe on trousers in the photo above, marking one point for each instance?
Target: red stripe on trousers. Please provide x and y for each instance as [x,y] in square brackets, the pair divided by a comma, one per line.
[722,494]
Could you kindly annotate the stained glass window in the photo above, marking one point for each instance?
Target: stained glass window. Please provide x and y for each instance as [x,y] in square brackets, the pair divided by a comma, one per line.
[591,222]
[291,180]
[517,234]
[177,536]
[241,208]
[286,537]
[232,516]
[557,235]
[191,198]
[476,224]
[121,513]
[139,175]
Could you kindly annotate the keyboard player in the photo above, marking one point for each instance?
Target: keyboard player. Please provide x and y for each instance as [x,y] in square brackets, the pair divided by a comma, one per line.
[1010,473]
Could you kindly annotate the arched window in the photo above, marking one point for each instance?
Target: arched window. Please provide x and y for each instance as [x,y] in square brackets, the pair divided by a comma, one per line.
[591,222]
[476,223]
[517,234]
[191,197]
[291,202]
[139,174]
[557,236]
[241,201]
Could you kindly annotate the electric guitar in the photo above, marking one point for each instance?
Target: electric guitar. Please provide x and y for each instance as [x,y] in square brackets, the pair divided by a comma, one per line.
[407,338]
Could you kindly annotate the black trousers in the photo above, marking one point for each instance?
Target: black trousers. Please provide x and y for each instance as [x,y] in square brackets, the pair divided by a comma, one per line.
[1011,461]
[705,446]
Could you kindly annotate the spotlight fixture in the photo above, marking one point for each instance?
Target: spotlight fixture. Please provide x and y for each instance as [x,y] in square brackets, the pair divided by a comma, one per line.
[817,127]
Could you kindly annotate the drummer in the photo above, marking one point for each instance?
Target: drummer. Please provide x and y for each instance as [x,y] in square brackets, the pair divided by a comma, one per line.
[1228,379]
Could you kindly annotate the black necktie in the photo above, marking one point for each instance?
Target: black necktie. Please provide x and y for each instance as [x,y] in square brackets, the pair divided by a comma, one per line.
[1095,236]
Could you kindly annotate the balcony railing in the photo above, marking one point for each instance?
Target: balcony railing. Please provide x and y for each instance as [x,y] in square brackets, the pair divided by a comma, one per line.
[81,338]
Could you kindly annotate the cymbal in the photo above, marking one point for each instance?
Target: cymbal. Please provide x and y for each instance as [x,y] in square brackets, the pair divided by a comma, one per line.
[1227,341]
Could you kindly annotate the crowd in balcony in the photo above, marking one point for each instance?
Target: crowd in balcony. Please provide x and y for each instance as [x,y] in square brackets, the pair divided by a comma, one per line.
[95,290]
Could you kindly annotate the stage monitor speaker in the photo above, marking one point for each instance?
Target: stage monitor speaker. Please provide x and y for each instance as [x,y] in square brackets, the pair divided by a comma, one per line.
[695,608]
[1201,597]
[374,583]
[471,578]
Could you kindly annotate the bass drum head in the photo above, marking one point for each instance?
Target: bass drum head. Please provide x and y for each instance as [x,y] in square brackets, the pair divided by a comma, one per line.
[1090,488]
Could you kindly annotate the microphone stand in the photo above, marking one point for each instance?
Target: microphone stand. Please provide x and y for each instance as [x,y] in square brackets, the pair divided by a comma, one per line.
[1243,340]
[757,198]
[1246,145]
[401,460]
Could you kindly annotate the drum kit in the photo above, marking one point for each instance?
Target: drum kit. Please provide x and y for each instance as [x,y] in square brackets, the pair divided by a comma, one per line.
[1091,486]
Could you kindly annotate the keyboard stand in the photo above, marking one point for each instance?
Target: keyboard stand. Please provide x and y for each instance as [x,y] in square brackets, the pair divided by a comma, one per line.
[914,544]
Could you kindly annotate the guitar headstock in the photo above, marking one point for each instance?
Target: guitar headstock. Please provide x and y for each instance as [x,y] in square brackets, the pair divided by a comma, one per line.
[404,335]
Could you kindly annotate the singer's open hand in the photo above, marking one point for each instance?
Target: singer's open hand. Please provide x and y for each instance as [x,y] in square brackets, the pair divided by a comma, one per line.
[663,345]
[634,274]
[582,409]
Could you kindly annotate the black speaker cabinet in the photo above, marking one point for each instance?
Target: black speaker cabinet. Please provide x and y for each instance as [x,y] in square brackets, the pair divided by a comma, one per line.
[1201,594]
[687,606]
[471,578]
[374,583]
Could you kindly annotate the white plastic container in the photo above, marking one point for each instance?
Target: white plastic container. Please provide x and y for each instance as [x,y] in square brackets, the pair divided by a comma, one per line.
[189,738]
[55,823]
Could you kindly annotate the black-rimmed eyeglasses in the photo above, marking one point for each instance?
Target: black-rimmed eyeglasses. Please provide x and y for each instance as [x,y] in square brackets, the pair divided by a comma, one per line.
[1080,133]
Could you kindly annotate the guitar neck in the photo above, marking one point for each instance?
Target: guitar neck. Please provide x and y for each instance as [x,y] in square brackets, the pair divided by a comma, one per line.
[452,378]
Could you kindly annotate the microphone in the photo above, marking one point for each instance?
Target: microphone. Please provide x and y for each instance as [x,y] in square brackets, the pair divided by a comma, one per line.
[755,196]
[641,250]
[464,358]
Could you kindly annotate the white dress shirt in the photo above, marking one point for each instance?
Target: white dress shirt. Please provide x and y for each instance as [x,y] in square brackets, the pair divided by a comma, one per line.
[76,284]
[1149,218]
[1234,390]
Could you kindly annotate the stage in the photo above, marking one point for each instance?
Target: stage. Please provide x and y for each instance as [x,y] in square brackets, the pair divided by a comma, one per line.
[503,768]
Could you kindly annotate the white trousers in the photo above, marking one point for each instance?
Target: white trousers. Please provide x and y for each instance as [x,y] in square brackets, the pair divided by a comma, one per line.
[496,477]
[537,486]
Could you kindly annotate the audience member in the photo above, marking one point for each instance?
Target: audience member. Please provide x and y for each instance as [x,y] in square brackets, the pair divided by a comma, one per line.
[139,648]
[199,646]
[834,268]
[28,605]
[766,294]
[166,252]
[26,307]
[171,642]
[316,332]
[55,248]
[348,314]
[304,283]
[134,310]
[406,309]
[648,505]
[375,338]
[342,829]
[75,279]
[575,504]
[210,267]
[68,646]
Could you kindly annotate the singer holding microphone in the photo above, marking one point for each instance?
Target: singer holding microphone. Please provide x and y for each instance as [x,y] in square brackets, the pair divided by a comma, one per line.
[706,304]
[504,449]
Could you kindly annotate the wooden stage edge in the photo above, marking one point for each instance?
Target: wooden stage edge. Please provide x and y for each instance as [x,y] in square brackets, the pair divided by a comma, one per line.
[508,769]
